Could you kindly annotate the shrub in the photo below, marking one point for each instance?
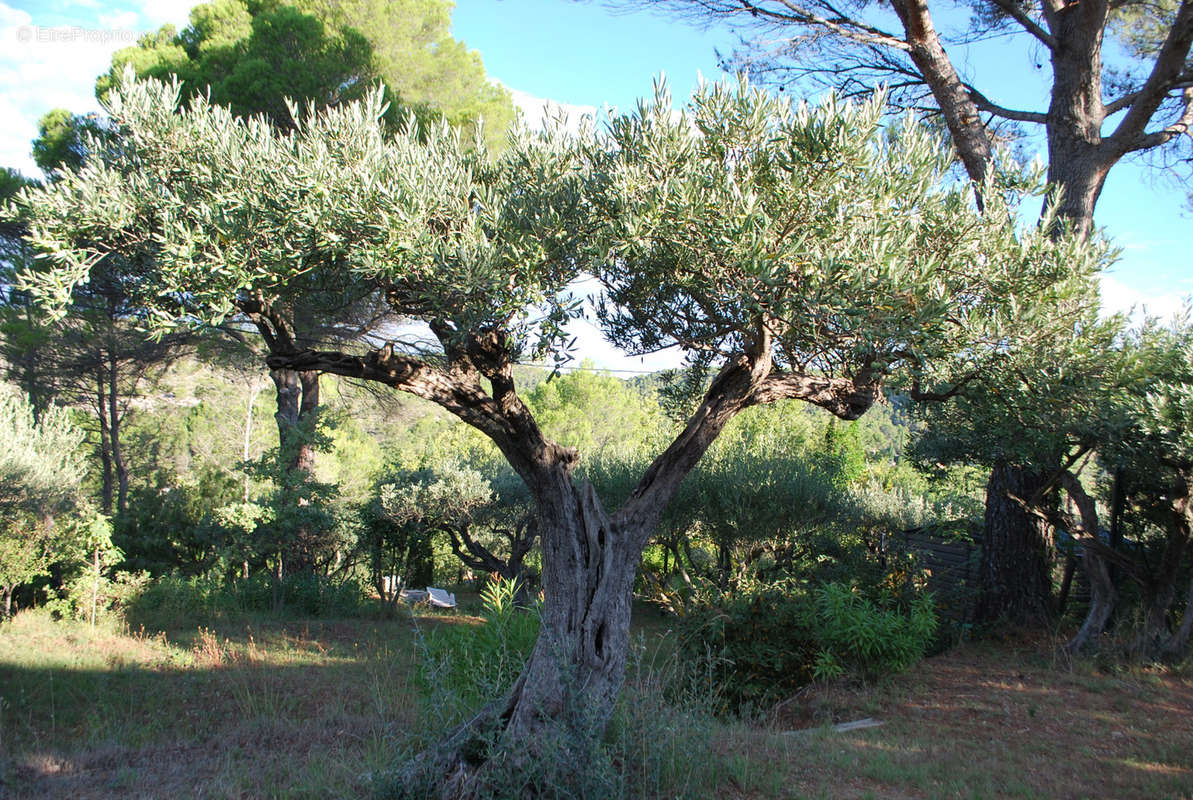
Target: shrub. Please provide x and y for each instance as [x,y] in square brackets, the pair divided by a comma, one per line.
[869,638]
[765,643]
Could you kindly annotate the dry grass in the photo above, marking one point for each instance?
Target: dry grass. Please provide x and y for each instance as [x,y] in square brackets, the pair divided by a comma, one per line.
[995,720]
[313,709]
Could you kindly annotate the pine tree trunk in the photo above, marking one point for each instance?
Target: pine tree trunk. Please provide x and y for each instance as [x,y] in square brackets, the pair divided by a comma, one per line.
[113,398]
[107,491]
[1015,580]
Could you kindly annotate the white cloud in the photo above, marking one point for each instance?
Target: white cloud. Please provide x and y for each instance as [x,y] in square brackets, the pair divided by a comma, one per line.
[1119,297]
[156,13]
[45,67]
[119,21]
[536,110]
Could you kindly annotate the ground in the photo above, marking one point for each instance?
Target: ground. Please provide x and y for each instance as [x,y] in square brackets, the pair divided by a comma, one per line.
[317,708]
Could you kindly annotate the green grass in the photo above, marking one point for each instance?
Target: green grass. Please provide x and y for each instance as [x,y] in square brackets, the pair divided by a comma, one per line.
[272,708]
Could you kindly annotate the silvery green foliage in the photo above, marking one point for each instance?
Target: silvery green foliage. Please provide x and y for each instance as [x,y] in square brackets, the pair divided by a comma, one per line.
[40,472]
[40,464]
[229,207]
[836,236]
[449,495]
[837,239]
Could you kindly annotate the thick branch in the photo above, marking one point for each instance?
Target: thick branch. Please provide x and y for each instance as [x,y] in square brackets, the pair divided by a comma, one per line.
[272,324]
[958,108]
[728,394]
[456,391]
[1183,126]
[1166,71]
[843,397]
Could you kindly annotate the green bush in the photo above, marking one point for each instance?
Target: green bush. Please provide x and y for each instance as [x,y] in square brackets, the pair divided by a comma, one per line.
[764,644]
[869,638]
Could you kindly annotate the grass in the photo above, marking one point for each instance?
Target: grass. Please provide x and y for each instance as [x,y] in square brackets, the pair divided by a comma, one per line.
[296,709]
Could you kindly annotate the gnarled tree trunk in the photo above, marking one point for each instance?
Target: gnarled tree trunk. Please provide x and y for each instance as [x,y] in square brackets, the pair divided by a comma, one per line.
[565,695]
[297,409]
[567,691]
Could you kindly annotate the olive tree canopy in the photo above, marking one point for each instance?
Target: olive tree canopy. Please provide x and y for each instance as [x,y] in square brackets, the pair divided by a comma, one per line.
[801,252]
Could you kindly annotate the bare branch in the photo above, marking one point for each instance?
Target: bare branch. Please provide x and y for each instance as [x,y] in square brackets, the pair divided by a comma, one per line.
[1015,12]
[842,25]
[985,104]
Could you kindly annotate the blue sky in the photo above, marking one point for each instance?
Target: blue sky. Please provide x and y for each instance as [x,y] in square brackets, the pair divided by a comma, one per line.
[576,54]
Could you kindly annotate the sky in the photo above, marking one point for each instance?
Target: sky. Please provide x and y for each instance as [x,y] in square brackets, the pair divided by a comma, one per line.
[582,56]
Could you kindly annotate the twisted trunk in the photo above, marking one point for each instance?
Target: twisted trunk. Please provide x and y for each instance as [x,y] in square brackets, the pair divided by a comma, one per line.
[563,699]
[1102,599]
[1103,596]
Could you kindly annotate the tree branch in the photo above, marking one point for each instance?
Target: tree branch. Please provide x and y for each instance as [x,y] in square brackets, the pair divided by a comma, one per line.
[1183,126]
[1182,81]
[1166,71]
[845,26]
[983,103]
[956,105]
[457,391]
[729,393]
[847,398]
[1015,12]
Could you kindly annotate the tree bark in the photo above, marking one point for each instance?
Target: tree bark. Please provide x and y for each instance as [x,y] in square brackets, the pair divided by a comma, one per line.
[1155,638]
[114,422]
[1179,641]
[566,693]
[297,409]
[1015,579]
[296,416]
[1103,596]
[1102,599]
[107,486]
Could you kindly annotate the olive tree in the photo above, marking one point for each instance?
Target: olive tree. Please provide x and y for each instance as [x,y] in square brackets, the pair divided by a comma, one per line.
[800,253]
[40,477]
